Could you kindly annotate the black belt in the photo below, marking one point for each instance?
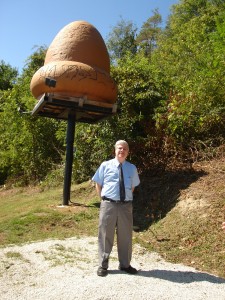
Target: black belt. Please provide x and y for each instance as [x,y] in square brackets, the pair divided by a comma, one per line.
[115,201]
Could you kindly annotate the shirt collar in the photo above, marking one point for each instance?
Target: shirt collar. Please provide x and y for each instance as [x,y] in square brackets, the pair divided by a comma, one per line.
[117,163]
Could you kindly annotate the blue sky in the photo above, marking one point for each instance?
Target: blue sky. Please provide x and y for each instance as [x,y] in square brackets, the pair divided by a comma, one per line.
[25,24]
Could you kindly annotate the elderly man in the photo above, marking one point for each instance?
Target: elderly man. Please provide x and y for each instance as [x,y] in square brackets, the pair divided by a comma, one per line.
[115,182]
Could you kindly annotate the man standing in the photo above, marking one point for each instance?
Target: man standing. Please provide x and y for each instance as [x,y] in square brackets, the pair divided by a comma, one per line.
[115,182]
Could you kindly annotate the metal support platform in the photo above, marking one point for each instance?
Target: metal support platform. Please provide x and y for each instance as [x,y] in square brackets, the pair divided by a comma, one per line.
[59,106]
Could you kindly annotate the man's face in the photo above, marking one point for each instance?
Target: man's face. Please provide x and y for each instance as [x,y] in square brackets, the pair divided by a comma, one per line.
[121,152]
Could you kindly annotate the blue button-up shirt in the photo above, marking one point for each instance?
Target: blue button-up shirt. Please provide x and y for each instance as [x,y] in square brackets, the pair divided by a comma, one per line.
[107,176]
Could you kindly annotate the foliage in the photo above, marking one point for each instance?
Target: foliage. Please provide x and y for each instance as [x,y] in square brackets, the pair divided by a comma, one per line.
[191,53]
[29,147]
[122,40]
[93,143]
[149,33]
[8,76]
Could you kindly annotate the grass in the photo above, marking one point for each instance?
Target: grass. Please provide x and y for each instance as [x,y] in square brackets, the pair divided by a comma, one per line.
[178,215]
[14,255]
[31,214]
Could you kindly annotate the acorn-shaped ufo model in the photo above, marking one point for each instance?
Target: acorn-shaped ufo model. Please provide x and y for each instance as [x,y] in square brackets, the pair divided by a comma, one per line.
[78,61]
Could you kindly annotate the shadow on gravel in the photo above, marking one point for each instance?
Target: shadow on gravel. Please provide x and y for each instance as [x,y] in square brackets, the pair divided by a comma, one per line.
[181,276]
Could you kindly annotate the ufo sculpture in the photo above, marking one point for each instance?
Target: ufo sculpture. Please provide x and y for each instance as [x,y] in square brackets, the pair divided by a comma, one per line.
[75,75]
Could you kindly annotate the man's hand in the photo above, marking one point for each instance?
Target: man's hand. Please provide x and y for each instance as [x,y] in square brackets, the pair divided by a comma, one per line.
[223,225]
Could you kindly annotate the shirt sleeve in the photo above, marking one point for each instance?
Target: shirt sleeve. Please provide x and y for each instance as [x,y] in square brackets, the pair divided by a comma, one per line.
[99,175]
[135,179]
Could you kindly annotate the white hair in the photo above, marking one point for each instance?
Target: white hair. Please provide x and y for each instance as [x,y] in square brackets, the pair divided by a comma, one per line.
[121,142]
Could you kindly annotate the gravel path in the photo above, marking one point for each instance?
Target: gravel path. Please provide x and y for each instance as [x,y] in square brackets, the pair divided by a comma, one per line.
[66,269]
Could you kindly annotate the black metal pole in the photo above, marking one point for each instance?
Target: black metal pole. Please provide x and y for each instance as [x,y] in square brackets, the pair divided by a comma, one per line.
[69,157]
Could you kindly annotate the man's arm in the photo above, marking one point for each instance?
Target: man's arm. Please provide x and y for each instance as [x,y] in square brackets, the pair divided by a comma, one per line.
[98,189]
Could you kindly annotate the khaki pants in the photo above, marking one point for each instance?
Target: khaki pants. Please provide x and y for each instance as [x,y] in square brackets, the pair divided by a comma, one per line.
[117,216]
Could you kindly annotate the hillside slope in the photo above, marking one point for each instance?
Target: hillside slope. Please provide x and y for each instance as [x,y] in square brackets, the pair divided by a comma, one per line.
[182,213]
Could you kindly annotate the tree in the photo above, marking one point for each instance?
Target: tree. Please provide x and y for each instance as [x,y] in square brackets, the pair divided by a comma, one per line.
[8,76]
[122,40]
[149,33]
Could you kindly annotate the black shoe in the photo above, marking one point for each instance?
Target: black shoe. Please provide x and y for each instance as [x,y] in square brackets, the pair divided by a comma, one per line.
[129,270]
[102,272]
